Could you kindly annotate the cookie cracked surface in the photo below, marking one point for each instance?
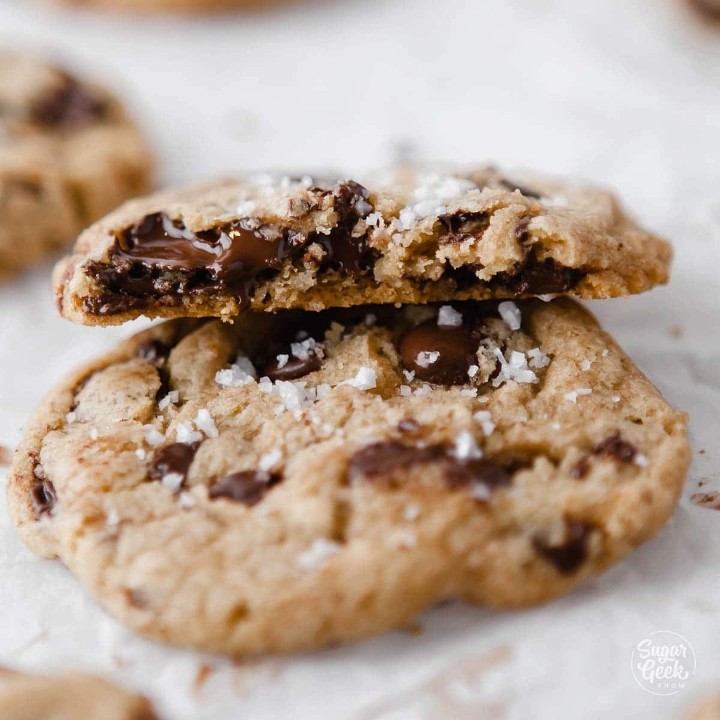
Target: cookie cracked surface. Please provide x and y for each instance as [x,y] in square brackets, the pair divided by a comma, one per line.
[295,480]
[408,235]
[68,697]
[68,155]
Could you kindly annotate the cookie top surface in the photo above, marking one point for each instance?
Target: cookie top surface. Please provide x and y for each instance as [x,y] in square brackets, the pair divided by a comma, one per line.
[68,155]
[410,235]
[298,479]
[67,697]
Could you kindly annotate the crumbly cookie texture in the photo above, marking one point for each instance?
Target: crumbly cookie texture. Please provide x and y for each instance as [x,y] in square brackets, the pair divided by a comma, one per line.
[68,697]
[295,480]
[409,235]
[68,155]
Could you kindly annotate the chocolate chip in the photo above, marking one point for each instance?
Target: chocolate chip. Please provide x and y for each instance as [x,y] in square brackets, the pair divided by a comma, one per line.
[477,471]
[544,278]
[463,226]
[581,468]
[42,496]
[526,191]
[383,460]
[69,104]
[615,447]
[137,598]
[173,459]
[293,369]
[456,352]
[248,486]
[571,552]
[522,228]
[154,351]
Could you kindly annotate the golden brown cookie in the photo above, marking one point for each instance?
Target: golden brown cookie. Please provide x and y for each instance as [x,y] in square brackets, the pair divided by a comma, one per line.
[294,480]
[70,696]
[68,155]
[410,236]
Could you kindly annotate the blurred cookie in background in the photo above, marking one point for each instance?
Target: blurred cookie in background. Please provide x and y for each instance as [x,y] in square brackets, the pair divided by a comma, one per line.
[67,697]
[150,6]
[707,708]
[68,154]
[709,7]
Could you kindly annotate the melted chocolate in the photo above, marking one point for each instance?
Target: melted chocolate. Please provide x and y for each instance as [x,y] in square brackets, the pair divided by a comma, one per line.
[248,487]
[571,552]
[173,459]
[463,226]
[618,449]
[68,104]
[154,351]
[543,278]
[526,191]
[42,497]
[159,259]
[292,370]
[382,460]
[457,348]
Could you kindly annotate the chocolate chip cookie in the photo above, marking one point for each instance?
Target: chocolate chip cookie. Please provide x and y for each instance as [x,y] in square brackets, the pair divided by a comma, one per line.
[67,697]
[296,479]
[68,155]
[153,6]
[410,236]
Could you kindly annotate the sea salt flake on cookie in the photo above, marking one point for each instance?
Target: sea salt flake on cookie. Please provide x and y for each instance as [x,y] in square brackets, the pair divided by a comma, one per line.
[318,555]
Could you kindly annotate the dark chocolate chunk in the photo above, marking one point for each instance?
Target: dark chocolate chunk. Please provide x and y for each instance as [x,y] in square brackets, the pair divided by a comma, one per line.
[42,496]
[581,468]
[522,228]
[154,351]
[248,486]
[571,552]
[293,369]
[69,104]
[382,460]
[615,447]
[462,226]
[544,278]
[476,471]
[526,191]
[173,459]
[456,348]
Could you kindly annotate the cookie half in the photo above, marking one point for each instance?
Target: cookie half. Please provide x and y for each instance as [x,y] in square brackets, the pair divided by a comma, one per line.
[295,480]
[68,155]
[68,697]
[409,236]
[155,6]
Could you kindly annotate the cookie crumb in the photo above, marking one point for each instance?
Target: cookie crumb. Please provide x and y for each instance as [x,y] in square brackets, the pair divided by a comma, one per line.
[710,500]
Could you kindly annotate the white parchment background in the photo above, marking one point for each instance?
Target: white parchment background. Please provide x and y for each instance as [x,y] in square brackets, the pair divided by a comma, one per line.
[626,92]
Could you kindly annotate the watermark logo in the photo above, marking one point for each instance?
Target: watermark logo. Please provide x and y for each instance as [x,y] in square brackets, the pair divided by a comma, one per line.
[663,662]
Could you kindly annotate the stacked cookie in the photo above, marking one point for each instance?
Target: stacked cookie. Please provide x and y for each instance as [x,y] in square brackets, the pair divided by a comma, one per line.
[68,155]
[368,398]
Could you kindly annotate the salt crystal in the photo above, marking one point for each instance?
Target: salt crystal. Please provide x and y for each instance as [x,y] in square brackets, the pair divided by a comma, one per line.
[140,454]
[270,460]
[449,317]
[409,375]
[186,500]
[411,512]
[93,434]
[318,555]
[573,395]
[365,379]
[484,418]
[466,447]
[515,369]
[473,370]
[152,435]
[468,392]
[171,398]
[173,481]
[405,390]
[510,313]
[282,361]
[538,358]
[185,433]
[641,460]
[70,418]
[585,365]
[426,358]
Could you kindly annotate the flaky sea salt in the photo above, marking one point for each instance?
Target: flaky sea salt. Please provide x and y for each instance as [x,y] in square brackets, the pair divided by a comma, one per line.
[171,398]
[641,460]
[484,418]
[270,460]
[449,317]
[234,376]
[465,447]
[112,519]
[282,361]
[93,434]
[573,395]
[514,369]
[140,454]
[318,554]
[185,433]
[411,512]
[186,500]
[152,435]
[473,370]
[510,313]
[538,358]
[426,358]
[172,481]
[468,392]
[409,375]
[585,365]
[302,350]
[365,379]
[205,423]
[70,418]
[405,390]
